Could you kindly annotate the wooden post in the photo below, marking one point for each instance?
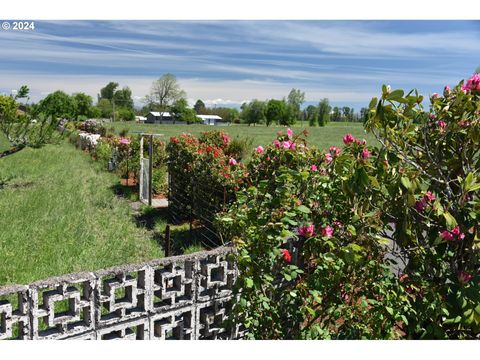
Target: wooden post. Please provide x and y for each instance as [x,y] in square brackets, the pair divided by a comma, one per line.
[150,170]
[168,243]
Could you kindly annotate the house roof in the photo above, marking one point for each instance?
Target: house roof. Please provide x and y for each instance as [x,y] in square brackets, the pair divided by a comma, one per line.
[162,114]
[203,117]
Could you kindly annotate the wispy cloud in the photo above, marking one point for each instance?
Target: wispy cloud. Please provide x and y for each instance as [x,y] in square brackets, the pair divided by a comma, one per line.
[232,61]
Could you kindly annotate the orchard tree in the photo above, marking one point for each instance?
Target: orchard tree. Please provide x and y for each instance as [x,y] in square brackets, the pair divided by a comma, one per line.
[18,127]
[123,98]
[275,111]
[295,99]
[108,91]
[83,104]
[200,107]
[254,112]
[311,115]
[105,108]
[324,109]
[183,112]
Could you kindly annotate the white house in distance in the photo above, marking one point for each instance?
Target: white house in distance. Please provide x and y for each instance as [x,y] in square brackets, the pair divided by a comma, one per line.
[140,119]
[209,119]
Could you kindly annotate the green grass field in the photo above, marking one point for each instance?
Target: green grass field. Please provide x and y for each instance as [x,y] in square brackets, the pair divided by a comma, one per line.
[59,214]
[322,137]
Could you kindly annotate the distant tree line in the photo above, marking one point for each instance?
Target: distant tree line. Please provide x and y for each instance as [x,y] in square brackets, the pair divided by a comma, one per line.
[166,94]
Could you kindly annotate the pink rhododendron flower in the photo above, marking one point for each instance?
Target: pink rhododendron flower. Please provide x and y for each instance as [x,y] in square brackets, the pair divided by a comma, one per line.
[286,144]
[429,196]
[365,153]
[232,161]
[327,231]
[286,255]
[446,90]
[348,139]
[277,143]
[455,234]
[259,149]
[328,158]
[464,277]
[472,84]
[335,150]
[434,95]
[442,124]
[289,133]
[447,235]
[314,168]
[306,231]
[124,141]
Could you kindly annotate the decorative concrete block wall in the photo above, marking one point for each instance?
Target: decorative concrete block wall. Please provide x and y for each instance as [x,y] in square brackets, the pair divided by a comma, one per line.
[182,297]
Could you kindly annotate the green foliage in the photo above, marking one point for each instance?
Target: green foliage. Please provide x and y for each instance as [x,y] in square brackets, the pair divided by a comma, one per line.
[57,105]
[20,129]
[83,105]
[253,112]
[125,114]
[324,109]
[183,112]
[200,108]
[312,228]
[295,99]
[275,111]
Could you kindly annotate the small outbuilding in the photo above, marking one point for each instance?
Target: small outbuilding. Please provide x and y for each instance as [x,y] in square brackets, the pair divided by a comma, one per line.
[140,119]
[210,119]
[155,117]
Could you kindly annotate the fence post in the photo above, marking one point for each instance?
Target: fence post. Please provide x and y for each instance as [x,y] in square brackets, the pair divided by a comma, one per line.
[168,243]
[150,170]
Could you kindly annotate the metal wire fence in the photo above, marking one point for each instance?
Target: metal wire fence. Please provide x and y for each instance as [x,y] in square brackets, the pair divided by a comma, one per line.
[197,203]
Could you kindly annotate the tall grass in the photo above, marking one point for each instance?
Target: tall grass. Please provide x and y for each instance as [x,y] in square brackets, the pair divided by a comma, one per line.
[59,214]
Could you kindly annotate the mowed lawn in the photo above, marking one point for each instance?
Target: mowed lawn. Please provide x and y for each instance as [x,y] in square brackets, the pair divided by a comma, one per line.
[322,137]
[59,214]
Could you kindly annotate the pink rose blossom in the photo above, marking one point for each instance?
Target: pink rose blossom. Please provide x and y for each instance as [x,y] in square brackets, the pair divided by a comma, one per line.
[293,146]
[328,158]
[434,96]
[232,161]
[348,139]
[365,153]
[307,231]
[431,116]
[259,149]
[327,231]
[124,141]
[289,133]
[276,143]
[464,277]
[313,168]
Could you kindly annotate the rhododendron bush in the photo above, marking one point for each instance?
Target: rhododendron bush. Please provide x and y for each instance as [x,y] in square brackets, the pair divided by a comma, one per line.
[365,241]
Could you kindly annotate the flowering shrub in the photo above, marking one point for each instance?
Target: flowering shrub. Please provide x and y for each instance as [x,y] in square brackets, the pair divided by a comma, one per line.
[433,159]
[204,176]
[311,261]
[313,229]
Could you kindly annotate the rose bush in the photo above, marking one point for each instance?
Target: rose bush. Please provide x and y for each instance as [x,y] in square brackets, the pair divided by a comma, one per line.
[203,173]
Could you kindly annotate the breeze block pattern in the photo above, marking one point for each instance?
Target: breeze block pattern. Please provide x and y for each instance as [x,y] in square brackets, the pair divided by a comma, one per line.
[184,297]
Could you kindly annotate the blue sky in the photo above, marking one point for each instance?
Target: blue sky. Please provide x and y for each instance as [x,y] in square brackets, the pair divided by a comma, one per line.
[229,62]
